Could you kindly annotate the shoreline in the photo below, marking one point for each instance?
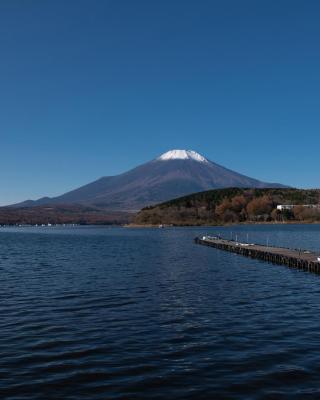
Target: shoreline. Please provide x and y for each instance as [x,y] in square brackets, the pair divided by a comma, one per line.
[219,225]
[157,226]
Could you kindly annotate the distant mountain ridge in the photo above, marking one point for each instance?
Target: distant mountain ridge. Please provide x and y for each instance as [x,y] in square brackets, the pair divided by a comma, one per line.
[174,174]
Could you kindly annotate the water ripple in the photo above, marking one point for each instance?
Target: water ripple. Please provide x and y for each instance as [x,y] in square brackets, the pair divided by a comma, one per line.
[94,313]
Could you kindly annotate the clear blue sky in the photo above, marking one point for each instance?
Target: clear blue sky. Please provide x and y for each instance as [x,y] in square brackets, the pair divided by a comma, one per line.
[93,88]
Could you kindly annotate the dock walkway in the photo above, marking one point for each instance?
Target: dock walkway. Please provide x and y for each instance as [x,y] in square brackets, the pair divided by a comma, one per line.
[301,259]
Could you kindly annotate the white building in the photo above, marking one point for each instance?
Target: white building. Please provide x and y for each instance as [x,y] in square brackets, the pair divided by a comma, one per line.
[282,207]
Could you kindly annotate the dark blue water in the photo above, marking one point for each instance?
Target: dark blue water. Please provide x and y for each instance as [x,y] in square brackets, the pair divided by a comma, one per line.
[115,313]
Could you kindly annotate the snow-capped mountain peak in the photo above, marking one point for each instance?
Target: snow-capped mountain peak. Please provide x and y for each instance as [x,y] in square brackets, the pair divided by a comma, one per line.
[155,181]
[182,155]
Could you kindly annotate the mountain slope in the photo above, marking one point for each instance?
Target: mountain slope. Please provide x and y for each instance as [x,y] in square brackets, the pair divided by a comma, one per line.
[173,174]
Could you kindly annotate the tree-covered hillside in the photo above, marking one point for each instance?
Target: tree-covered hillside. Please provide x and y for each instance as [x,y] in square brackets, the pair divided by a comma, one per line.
[234,205]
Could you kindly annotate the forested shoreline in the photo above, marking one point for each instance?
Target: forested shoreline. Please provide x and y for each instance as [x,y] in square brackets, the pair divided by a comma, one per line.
[235,205]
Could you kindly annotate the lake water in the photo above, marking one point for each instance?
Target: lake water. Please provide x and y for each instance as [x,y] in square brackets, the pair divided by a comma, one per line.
[116,313]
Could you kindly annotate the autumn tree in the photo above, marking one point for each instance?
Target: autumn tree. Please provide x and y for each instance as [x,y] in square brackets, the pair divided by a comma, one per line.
[260,206]
[238,203]
[276,215]
[298,212]
[223,207]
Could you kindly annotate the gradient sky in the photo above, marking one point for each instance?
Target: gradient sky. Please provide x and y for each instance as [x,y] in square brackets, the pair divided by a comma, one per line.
[90,88]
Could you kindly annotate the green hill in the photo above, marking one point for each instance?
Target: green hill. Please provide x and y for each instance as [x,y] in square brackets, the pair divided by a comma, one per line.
[234,205]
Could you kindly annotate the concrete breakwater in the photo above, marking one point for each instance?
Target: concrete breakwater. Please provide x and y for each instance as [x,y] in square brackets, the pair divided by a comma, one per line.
[294,258]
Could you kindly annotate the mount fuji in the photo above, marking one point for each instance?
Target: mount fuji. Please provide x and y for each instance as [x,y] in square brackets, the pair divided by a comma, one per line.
[173,174]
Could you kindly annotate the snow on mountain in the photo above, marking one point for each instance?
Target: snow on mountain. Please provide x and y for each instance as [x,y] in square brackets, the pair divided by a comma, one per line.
[182,155]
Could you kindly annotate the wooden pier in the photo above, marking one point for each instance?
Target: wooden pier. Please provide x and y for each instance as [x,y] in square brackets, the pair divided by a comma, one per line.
[301,259]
